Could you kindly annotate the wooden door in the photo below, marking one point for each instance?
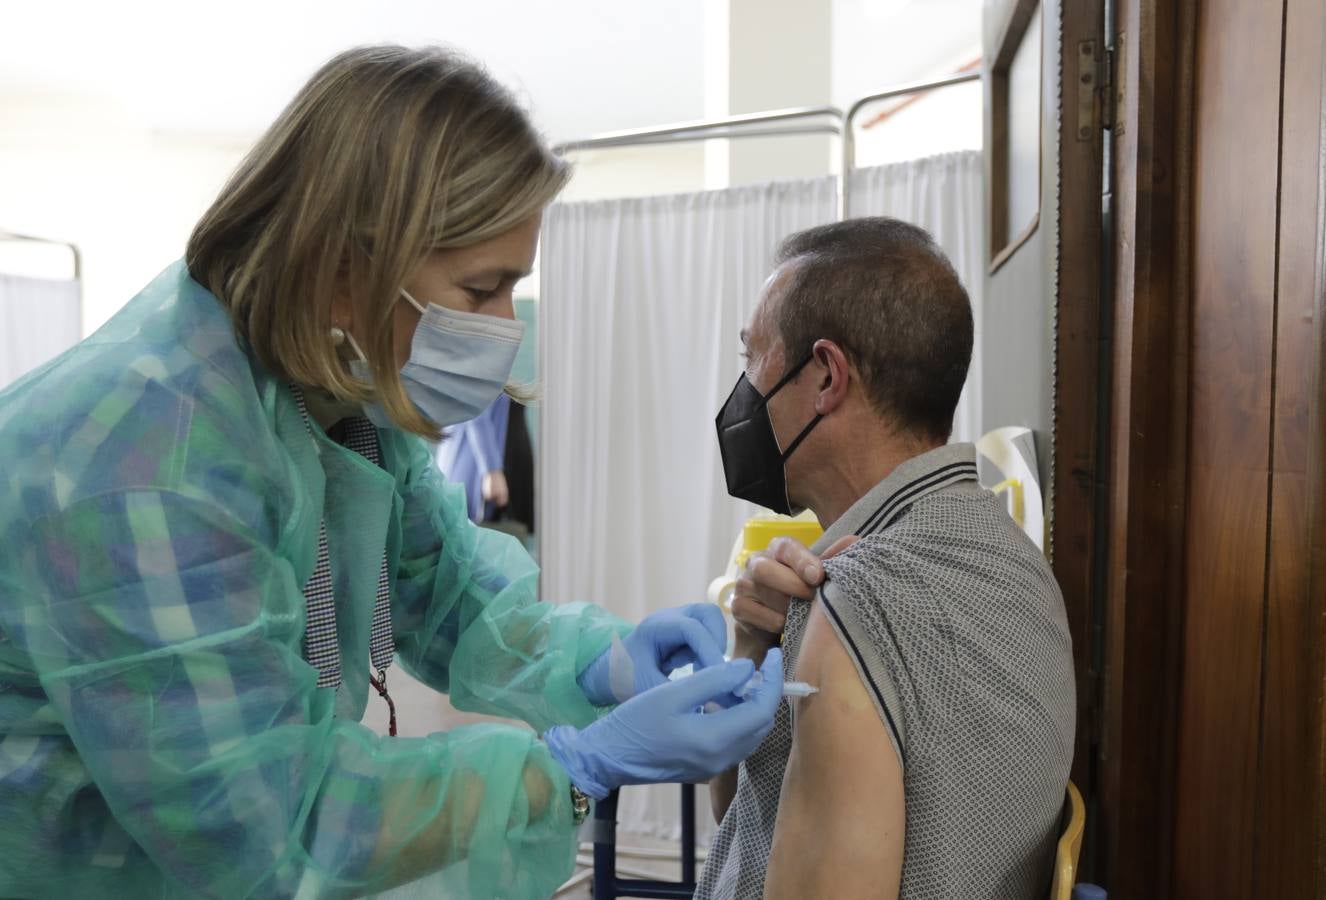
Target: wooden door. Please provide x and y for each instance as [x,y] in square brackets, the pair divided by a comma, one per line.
[1212,756]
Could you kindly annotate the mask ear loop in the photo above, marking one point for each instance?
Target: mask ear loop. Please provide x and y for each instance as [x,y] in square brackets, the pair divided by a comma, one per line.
[805,432]
[796,370]
[413,302]
[354,345]
[793,373]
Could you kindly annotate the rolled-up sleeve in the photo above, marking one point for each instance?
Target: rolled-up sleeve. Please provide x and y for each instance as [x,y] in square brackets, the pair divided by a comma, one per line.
[468,620]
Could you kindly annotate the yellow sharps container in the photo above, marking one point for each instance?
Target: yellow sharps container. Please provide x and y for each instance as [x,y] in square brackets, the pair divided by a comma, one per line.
[756,535]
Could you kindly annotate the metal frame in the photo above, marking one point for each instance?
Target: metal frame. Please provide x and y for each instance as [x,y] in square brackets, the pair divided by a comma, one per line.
[6,235]
[767,125]
[849,136]
[708,129]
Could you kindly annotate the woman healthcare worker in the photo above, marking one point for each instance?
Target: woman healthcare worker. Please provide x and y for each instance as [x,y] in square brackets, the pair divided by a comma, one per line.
[220,528]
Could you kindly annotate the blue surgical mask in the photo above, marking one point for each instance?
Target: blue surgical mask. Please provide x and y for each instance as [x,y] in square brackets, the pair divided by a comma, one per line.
[459,363]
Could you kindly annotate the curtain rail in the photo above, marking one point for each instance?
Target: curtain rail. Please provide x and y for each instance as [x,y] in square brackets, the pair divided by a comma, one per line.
[849,137]
[717,133]
[741,127]
[702,129]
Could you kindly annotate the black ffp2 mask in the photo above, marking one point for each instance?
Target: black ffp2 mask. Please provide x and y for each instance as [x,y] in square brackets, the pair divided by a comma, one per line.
[752,461]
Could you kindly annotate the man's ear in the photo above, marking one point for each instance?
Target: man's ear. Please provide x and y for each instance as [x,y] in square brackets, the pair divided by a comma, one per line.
[835,374]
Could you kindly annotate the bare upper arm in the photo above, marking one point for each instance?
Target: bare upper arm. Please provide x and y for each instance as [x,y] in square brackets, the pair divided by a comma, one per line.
[841,815]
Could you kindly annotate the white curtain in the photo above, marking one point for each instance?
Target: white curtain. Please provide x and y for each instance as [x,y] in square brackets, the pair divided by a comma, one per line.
[642,303]
[942,194]
[40,318]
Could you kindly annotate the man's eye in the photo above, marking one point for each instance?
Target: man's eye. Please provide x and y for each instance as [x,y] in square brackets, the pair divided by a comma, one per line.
[480,295]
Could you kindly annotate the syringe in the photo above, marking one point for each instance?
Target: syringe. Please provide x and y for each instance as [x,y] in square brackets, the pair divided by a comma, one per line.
[799,689]
[790,688]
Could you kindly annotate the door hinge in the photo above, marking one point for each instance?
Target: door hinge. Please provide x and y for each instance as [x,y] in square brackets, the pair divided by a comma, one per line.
[1099,87]
[1112,90]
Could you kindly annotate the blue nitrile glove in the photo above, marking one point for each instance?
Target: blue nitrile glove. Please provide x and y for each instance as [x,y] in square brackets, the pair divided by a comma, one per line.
[667,640]
[661,735]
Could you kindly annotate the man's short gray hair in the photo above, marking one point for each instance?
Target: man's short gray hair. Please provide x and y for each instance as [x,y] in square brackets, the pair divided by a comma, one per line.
[883,291]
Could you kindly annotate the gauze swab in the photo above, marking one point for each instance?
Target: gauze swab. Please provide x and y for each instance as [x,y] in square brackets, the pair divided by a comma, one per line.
[621,671]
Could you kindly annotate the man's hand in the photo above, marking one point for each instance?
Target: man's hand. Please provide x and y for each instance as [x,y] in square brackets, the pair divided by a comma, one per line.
[764,589]
[759,605]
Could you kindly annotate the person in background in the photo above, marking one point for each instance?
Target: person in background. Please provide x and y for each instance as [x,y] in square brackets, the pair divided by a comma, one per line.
[472,454]
[517,516]
[491,457]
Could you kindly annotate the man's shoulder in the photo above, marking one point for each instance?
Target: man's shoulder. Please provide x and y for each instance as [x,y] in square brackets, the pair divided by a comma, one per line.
[963,521]
[945,547]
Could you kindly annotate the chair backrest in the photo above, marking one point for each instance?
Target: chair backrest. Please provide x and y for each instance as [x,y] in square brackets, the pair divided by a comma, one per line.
[1070,845]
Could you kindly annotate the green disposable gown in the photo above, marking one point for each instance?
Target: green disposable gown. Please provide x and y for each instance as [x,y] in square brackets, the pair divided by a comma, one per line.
[161,733]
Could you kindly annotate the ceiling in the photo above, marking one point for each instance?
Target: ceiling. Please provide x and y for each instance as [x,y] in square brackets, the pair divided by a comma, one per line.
[226,68]
[584,66]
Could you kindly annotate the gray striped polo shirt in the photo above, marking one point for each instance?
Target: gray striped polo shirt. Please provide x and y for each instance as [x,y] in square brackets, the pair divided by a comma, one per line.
[954,621]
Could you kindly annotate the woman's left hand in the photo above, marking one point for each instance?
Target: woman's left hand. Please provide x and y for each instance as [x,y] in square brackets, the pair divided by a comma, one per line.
[695,634]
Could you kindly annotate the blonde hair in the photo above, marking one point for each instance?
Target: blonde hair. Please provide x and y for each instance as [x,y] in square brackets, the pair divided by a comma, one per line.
[386,154]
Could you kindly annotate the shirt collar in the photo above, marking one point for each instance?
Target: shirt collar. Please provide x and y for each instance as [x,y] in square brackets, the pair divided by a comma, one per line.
[917,477]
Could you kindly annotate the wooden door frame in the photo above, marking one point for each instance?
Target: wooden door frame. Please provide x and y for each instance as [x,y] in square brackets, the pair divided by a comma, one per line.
[1317,513]
[1151,154]
[1078,402]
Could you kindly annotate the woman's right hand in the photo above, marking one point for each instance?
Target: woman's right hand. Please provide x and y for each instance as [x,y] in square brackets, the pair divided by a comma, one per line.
[662,735]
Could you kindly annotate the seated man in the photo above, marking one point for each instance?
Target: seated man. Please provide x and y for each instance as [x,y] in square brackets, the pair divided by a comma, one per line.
[933,761]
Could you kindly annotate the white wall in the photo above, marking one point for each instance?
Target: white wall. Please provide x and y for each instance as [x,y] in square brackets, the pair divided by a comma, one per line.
[584,65]
[105,158]
[81,169]
[881,44]
[764,54]
[119,122]
[941,122]
[636,171]
[85,170]
[779,56]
